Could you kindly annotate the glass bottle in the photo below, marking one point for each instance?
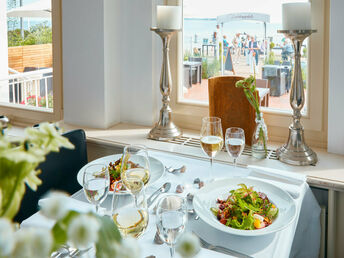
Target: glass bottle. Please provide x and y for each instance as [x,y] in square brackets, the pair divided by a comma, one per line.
[259,138]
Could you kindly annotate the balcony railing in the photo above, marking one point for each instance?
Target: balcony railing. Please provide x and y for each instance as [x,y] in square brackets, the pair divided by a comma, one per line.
[29,89]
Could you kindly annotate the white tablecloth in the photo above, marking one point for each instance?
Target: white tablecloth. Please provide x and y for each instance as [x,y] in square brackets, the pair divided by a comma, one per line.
[300,239]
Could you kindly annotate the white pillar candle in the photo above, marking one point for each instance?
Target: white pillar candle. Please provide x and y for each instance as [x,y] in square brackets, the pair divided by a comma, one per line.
[296,16]
[168,17]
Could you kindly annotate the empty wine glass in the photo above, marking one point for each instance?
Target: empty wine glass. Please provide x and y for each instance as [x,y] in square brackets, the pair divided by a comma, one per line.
[171,218]
[129,212]
[211,138]
[96,183]
[135,162]
[235,142]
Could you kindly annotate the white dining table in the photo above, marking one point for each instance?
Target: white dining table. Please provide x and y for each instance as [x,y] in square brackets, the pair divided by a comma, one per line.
[300,239]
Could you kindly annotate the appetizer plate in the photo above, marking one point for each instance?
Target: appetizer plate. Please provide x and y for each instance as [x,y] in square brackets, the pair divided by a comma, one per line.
[156,167]
[206,198]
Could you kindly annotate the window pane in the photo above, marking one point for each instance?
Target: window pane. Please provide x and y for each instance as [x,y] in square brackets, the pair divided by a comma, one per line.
[26,71]
[247,43]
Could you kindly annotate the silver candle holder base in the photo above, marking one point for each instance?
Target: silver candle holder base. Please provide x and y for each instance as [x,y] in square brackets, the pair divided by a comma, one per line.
[165,129]
[296,151]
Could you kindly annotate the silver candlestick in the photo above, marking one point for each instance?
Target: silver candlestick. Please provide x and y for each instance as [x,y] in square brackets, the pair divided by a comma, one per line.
[165,129]
[296,151]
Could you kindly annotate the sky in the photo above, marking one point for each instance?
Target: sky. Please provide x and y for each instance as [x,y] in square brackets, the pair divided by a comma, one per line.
[32,21]
[24,2]
[213,8]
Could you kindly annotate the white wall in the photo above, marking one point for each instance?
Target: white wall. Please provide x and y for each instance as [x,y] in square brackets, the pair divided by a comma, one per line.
[3,52]
[110,60]
[336,79]
[138,104]
[83,62]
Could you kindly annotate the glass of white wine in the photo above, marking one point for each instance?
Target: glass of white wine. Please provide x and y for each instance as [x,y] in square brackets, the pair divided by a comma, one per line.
[129,211]
[211,139]
[171,218]
[135,162]
[235,142]
[96,183]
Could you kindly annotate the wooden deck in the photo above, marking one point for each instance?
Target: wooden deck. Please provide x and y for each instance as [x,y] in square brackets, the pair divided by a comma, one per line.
[199,91]
[37,56]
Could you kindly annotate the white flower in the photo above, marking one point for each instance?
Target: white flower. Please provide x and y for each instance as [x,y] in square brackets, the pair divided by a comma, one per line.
[32,242]
[83,231]
[188,245]
[7,237]
[128,248]
[41,243]
[54,206]
[23,243]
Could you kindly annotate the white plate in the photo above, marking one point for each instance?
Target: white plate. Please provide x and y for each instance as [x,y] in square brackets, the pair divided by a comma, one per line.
[156,167]
[206,198]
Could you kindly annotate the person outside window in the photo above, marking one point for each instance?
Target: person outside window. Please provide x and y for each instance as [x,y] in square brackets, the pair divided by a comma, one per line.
[254,51]
[236,48]
[214,37]
[247,50]
[287,50]
[250,50]
[225,45]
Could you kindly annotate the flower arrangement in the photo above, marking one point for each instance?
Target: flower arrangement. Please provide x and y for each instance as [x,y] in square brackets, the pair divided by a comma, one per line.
[249,86]
[19,159]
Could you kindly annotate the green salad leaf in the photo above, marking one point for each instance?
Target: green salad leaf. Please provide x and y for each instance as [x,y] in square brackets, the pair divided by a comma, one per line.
[114,173]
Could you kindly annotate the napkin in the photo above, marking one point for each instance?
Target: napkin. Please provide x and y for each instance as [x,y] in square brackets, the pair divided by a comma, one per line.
[289,181]
[38,220]
[73,204]
[277,175]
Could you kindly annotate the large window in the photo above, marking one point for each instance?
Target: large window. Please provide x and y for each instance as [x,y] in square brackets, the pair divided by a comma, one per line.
[231,38]
[198,45]
[27,83]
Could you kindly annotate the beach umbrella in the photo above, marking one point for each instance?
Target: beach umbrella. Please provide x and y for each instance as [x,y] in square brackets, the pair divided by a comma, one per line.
[38,9]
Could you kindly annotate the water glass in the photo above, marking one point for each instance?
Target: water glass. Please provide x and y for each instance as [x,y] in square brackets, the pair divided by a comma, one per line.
[96,183]
[235,142]
[171,218]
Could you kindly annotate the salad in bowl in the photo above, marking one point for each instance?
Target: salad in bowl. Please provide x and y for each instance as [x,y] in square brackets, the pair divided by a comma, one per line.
[245,209]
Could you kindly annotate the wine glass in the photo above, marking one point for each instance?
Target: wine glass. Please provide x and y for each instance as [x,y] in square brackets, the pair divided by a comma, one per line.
[235,142]
[130,212]
[171,218]
[96,183]
[211,138]
[135,163]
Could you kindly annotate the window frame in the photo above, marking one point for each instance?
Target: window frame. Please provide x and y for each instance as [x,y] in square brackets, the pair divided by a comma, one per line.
[28,115]
[314,121]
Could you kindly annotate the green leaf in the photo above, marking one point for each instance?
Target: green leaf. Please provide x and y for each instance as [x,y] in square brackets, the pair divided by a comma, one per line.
[247,223]
[272,213]
[59,230]
[115,173]
[249,86]
[14,205]
[108,235]
[12,184]
[214,211]
[247,206]
[243,186]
